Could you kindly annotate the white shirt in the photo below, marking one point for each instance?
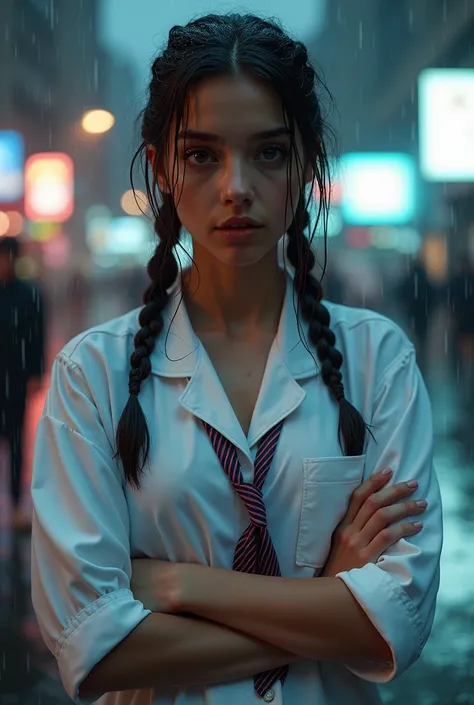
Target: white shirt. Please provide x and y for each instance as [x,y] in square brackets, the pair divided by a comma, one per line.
[88,523]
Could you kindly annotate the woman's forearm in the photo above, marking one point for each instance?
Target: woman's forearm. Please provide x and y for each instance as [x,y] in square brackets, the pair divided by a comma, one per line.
[171,651]
[318,619]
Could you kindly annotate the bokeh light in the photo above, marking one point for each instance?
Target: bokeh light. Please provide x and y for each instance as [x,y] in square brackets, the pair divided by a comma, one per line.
[96,122]
[134,203]
[16,223]
[4,223]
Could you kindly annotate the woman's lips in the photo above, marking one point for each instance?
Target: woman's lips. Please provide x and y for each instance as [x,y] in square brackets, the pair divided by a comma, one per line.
[238,235]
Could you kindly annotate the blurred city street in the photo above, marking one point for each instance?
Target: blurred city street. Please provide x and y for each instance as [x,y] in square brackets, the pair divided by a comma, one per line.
[445,673]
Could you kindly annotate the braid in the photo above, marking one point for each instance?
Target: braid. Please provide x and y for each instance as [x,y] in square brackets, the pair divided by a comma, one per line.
[132,437]
[352,427]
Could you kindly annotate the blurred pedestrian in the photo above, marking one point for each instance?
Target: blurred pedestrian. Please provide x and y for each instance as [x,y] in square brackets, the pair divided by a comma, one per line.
[21,361]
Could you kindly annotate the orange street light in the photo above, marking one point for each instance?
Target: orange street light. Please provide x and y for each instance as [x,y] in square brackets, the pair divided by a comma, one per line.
[96,122]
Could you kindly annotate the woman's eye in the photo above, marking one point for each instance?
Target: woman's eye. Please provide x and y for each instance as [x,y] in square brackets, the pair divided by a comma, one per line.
[274,154]
[198,156]
[202,157]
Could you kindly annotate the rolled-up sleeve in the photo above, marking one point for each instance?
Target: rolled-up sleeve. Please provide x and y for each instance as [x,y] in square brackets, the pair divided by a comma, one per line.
[398,593]
[81,563]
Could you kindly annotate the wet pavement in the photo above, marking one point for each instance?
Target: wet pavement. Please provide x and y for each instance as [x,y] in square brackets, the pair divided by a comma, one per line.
[444,675]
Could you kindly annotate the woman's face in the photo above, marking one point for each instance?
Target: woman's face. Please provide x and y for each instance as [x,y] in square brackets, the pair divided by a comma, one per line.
[227,166]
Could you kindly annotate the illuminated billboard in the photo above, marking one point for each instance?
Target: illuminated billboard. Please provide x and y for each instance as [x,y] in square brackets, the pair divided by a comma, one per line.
[128,235]
[378,188]
[446,124]
[49,187]
[12,162]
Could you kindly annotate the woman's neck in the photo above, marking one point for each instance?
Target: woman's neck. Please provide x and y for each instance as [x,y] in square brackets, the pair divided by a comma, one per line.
[234,302]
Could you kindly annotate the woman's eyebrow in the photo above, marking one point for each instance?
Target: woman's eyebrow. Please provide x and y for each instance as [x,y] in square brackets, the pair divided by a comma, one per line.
[209,137]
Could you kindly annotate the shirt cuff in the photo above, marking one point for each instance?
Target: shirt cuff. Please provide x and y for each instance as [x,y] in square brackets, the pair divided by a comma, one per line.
[393,614]
[92,634]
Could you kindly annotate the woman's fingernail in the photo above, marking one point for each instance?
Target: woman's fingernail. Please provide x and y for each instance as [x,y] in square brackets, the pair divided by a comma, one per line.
[387,471]
[412,483]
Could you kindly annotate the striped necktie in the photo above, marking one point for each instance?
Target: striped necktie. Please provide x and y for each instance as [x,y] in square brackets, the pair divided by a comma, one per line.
[254,552]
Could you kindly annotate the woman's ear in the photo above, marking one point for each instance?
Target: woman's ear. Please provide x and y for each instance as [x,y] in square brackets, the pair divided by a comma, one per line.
[153,161]
[151,156]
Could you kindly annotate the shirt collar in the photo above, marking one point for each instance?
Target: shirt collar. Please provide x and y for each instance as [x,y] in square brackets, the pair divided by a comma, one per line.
[177,349]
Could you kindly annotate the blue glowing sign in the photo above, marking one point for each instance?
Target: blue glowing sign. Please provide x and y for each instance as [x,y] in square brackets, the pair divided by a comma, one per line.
[378,188]
[12,160]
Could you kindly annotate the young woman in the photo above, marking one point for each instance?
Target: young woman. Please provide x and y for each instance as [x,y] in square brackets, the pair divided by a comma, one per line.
[272,559]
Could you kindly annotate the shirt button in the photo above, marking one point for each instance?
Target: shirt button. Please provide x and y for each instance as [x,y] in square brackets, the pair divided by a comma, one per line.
[269,696]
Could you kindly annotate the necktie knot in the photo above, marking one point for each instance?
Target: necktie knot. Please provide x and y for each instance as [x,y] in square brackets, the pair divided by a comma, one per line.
[252,497]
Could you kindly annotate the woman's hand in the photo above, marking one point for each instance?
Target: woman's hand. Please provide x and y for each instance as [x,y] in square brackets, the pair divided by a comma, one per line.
[367,530]
[157,584]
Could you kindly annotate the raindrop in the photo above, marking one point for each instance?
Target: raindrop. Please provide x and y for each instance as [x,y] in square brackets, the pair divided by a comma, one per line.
[7,32]
[360,35]
[410,20]
[445,11]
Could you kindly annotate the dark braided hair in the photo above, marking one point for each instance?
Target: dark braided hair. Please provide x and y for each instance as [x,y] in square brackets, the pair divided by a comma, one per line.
[133,438]
[310,293]
[217,45]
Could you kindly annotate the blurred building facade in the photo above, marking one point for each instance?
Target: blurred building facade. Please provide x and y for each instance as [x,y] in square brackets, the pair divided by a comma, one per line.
[413,37]
[50,74]
[29,73]
[82,88]
[124,101]
[371,54]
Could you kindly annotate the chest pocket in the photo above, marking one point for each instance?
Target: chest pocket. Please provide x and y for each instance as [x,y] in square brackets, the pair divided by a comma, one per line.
[327,487]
